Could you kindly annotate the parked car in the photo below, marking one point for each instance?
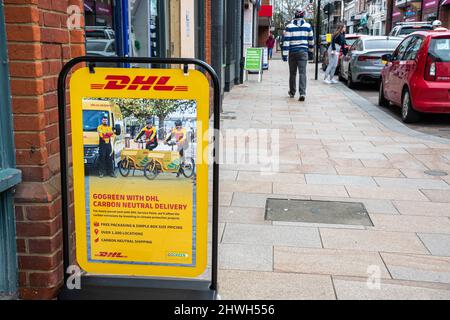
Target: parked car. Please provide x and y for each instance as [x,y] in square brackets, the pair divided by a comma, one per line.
[99,32]
[402,29]
[363,60]
[349,40]
[417,75]
[101,48]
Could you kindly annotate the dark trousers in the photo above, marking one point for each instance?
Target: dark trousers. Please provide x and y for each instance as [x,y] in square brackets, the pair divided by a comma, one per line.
[151,145]
[297,62]
[105,158]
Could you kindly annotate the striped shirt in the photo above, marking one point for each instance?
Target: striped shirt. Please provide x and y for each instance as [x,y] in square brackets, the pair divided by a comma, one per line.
[298,36]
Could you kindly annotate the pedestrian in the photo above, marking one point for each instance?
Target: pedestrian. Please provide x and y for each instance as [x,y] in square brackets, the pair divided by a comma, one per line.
[270,44]
[105,153]
[437,26]
[337,42]
[297,42]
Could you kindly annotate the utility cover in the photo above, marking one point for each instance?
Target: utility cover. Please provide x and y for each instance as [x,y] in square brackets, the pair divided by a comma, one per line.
[313,211]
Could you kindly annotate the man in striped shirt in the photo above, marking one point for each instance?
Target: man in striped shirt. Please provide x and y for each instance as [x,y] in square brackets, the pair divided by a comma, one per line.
[298,40]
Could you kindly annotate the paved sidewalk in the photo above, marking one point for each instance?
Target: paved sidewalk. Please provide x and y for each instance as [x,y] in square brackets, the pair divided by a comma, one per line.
[333,149]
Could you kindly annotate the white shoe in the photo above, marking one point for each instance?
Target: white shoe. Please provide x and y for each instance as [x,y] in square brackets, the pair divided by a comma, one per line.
[334,81]
[327,81]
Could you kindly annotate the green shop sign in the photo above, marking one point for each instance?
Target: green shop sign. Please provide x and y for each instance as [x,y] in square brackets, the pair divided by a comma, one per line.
[253,59]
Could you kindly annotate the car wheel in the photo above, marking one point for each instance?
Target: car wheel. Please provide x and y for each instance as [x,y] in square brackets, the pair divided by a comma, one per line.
[350,82]
[382,101]
[409,115]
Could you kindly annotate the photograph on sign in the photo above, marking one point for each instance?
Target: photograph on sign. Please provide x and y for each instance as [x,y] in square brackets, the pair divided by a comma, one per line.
[136,174]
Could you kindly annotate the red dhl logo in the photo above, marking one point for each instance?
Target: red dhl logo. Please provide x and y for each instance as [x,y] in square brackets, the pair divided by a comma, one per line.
[137,83]
[110,255]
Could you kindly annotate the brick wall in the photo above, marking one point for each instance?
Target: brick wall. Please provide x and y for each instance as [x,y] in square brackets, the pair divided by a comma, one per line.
[39,43]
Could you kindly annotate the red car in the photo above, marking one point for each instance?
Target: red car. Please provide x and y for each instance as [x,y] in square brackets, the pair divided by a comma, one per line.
[417,75]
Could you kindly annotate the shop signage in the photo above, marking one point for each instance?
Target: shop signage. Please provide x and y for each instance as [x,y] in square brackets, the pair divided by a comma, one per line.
[253,59]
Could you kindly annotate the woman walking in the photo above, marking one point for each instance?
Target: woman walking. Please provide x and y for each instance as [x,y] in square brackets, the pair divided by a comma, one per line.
[337,42]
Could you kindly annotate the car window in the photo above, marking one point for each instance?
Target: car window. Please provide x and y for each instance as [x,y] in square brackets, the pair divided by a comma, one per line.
[440,49]
[381,44]
[398,53]
[394,31]
[413,48]
[354,45]
[408,30]
[95,46]
[350,41]
[111,47]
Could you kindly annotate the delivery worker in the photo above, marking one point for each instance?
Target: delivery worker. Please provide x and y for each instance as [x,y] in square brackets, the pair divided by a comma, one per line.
[105,159]
[179,134]
[149,132]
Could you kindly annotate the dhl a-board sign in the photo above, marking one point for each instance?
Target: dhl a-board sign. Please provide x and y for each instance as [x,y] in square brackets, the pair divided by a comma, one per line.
[140,181]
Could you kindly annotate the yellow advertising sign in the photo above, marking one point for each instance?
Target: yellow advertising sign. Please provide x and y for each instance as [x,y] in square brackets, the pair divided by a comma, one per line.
[140,182]
[328,37]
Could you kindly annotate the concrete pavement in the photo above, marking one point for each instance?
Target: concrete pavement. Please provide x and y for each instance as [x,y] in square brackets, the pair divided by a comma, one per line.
[332,149]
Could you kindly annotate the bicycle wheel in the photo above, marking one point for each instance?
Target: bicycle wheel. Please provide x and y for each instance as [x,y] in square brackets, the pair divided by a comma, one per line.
[188,167]
[151,170]
[124,167]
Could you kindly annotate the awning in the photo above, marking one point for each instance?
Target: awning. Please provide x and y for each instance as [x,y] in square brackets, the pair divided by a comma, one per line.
[266,11]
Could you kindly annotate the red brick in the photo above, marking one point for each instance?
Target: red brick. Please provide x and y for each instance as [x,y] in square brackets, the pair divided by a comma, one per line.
[47,279]
[29,122]
[51,51]
[45,245]
[38,229]
[52,67]
[77,36]
[77,50]
[25,140]
[22,87]
[32,104]
[19,213]
[24,51]
[30,33]
[32,192]
[35,173]
[40,262]
[45,4]
[21,246]
[50,84]
[31,156]
[43,212]
[23,278]
[22,14]
[25,69]
[28,293]
[52,19]
[60,5]
[53,35]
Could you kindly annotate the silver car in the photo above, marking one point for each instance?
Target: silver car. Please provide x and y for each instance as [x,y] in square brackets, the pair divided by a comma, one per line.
[363,61]
[101,48]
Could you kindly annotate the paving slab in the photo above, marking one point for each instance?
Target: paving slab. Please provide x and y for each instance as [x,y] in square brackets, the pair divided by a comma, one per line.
[309,190]
[327,261]
[403,223]
[437,244]
[437,195]
[412,183]
[418,267]
[343,180]
[358,289]
[242,215]
[245,285]
[372,241]
[385,193]
[271,235]
[423,208]
[245,257]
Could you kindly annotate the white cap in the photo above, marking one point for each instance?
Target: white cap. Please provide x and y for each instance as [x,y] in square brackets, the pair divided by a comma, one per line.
[437,23]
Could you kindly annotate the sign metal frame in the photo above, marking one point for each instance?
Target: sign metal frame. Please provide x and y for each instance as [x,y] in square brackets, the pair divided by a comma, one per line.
[118,287]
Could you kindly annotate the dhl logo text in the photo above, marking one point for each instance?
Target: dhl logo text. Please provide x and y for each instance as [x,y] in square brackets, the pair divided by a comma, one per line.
[142,83]
[110,255]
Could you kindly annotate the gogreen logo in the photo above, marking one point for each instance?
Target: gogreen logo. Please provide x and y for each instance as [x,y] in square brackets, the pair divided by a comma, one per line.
[144,161]
[177,255]
[175,164]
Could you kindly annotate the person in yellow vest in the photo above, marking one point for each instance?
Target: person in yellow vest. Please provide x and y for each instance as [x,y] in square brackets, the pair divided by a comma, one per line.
[179,134]
[149,133]
[105,154]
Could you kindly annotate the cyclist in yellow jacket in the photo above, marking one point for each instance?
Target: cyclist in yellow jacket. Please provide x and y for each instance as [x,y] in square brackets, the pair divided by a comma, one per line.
[105,154]
[179,134]
[149,133]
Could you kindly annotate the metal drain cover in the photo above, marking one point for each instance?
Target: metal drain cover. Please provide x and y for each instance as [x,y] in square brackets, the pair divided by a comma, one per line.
[436,173]
[312,211]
